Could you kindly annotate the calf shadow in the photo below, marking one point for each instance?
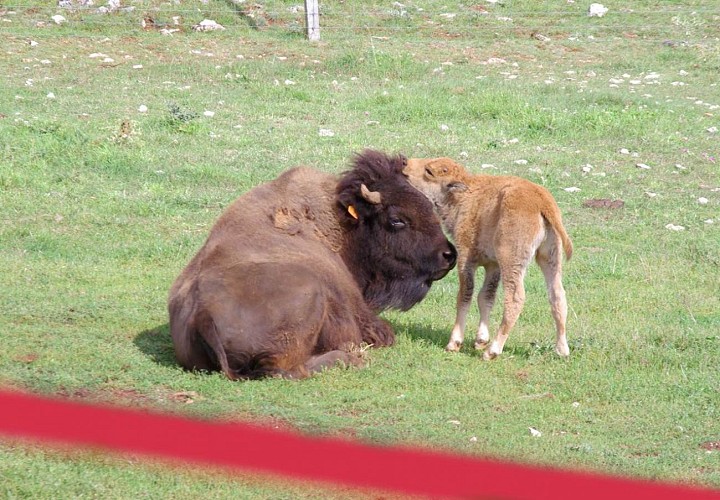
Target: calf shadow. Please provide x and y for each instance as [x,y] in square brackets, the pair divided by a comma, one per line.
[157,345]
[440,337]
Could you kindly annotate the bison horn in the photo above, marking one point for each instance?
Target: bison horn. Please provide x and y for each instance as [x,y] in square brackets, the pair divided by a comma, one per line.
[371,196]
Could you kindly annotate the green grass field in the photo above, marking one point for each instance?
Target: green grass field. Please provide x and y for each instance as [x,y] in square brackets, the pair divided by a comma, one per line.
[121,145]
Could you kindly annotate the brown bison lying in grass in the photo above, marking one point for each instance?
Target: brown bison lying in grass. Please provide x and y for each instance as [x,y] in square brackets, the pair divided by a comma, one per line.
[294,272]
[500,223]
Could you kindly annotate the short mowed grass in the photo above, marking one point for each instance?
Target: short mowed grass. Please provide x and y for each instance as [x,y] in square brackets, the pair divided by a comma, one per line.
[102,205]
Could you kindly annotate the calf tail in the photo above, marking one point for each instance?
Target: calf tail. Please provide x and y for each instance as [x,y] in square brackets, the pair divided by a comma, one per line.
[553,216]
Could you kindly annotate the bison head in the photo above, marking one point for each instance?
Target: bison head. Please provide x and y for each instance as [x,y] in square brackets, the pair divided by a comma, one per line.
[394,244]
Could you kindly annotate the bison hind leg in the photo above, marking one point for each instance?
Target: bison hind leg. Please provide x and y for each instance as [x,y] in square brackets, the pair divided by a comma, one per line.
[333,358]
[314,365]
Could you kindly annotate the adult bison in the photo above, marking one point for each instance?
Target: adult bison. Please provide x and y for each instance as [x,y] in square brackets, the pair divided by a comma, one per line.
[294,272]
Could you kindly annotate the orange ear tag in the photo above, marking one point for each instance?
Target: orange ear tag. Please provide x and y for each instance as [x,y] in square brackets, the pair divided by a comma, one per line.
[351,210]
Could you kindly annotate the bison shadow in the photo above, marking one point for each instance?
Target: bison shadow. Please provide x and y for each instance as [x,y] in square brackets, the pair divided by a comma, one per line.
[157,344]
[421,333]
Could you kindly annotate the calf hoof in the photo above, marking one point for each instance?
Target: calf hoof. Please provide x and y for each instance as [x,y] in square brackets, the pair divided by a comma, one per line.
[453,346]
[489,355]
[562,351]
[481,344]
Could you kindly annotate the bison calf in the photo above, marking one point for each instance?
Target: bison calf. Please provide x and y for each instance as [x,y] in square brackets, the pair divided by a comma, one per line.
[500,223]
[292,275]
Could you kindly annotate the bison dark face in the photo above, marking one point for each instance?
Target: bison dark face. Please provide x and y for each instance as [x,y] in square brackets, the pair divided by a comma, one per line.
[395,244]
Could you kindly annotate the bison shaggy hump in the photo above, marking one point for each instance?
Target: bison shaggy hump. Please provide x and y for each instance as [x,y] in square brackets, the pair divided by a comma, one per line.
[293,274]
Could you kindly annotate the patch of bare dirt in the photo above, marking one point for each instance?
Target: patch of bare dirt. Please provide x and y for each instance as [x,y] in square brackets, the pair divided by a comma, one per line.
[710,445]
[604,203]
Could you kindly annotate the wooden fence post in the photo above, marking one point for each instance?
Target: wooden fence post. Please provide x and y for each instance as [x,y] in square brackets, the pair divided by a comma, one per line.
[312,19]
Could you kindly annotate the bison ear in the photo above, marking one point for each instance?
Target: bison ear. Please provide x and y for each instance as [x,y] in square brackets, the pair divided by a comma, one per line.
[457,187]
[373,197]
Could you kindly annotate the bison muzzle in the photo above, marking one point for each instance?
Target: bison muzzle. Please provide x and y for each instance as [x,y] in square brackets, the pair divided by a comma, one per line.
[294,272]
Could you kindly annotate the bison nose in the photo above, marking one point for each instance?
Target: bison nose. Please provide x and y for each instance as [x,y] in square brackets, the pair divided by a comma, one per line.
[450,255]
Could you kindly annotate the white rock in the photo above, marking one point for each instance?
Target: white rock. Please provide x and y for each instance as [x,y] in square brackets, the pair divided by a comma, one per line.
[453,422]
[58,19]
[702,200]
[642,166]
[650,194]
[673,227]
[679,167]
[709,221]
[534,432]
[289,82]
[95,55]
[142,108]
[575,404]
[587,168]
[50,95]
[209,114]
[137,66]
[624,151]
[208,25]
[521,162]
[33,43]
[712,130]
[326,132]
[572,189]
[444,128]
[473,439]
[597,10]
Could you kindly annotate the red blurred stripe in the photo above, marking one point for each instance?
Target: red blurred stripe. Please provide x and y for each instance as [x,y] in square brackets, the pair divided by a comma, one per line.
[248,447]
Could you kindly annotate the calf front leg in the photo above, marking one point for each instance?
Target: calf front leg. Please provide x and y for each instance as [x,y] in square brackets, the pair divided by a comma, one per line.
[466,275]
[486,300]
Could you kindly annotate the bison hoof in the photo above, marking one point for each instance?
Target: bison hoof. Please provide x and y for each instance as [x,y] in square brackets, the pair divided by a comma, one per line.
[453,346]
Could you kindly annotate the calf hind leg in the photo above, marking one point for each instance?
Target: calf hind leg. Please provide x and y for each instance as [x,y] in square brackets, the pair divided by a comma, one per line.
[551,266]
[514,286]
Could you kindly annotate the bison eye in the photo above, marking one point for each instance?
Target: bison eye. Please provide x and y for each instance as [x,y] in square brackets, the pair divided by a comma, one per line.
[429,172]
[397,223]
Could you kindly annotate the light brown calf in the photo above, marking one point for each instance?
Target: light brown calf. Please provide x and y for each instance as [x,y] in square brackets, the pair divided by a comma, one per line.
[500,223]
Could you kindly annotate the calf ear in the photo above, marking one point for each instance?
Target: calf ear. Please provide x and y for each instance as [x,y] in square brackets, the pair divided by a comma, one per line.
[456,187]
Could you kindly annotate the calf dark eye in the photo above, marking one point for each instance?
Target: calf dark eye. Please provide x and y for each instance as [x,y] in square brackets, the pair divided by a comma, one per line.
[397,223]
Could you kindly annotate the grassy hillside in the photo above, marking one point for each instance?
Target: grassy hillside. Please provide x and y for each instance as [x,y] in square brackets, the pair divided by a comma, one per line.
[122,140]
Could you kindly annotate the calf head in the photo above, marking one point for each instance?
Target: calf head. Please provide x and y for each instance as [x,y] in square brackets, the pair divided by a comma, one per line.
[394,244]
[436,178]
